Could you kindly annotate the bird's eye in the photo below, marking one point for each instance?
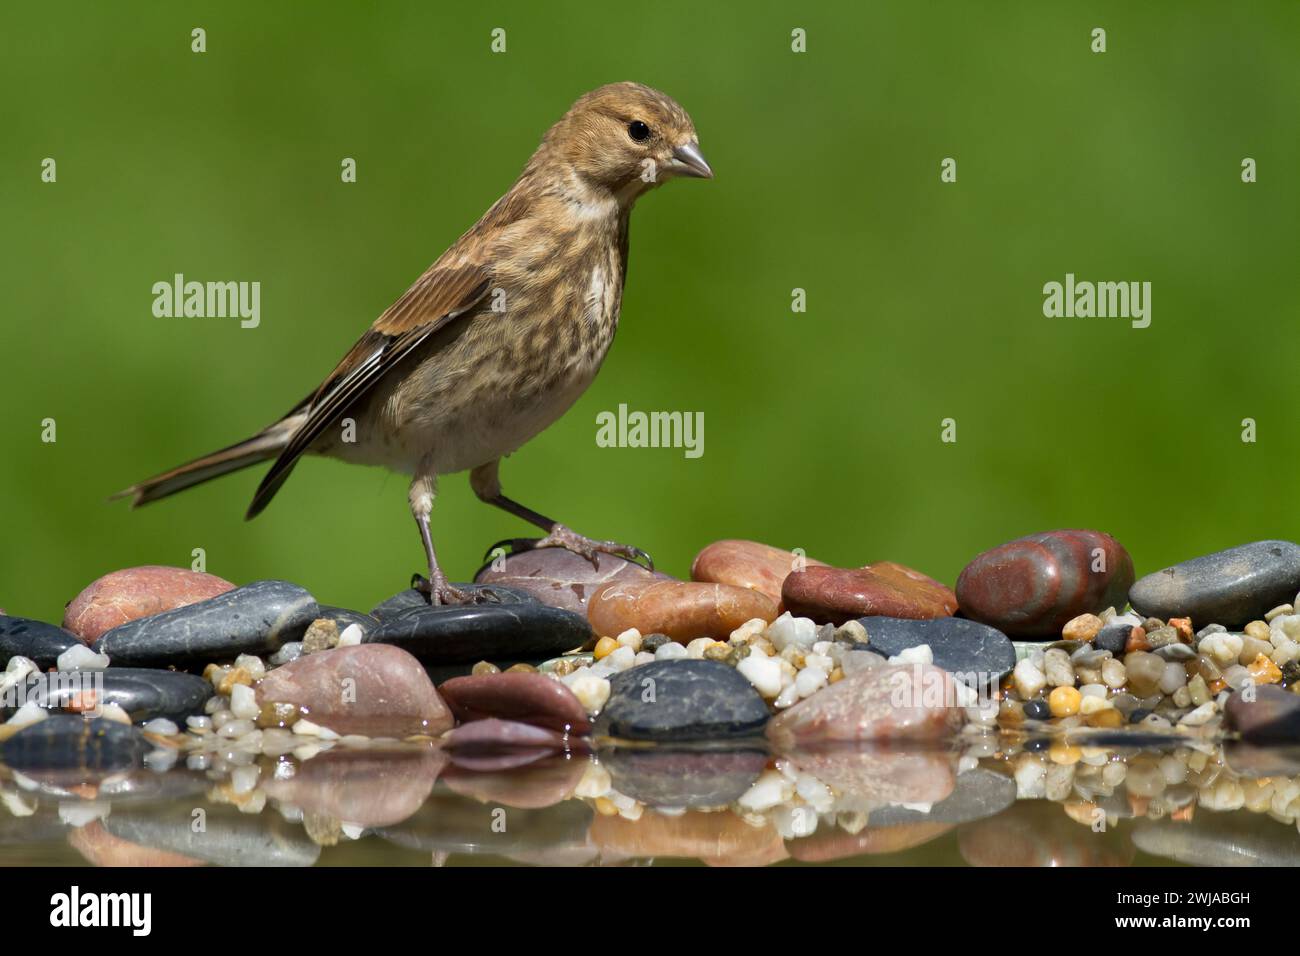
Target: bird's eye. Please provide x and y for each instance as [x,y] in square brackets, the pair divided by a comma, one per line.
[638,131]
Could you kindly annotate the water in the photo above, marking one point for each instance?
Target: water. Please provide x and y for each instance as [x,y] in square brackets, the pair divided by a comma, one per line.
[988,801]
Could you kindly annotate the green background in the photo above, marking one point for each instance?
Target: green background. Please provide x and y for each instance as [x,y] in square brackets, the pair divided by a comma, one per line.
[821,429]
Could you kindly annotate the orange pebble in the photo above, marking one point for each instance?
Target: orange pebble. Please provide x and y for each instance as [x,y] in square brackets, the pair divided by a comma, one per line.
[605,646]
[1264,670]
[1137,641]
[1064,701]
[1183,625]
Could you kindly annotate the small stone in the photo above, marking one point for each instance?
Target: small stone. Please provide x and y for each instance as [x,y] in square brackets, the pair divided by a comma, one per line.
[884,589]
[681,700]
[252,619]
[1029,679]
[1144,672]
[1082,628]
[748,564]
[484,667]
[1113,637]
[763,672]
[1037,709]
[682,610]
[893,702]
[604,647]
[133,593]
[321,636]
[1231,587]
[1064,701]
[1035,585]
[371,689]
[591,690]
[1057,668]
[81,658]
[524,698]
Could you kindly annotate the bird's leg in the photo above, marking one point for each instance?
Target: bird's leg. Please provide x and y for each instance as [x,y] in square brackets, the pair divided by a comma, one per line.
[423,488]
[487,487]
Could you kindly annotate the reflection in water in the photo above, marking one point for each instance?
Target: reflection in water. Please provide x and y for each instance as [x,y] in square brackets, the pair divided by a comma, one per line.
[995,801]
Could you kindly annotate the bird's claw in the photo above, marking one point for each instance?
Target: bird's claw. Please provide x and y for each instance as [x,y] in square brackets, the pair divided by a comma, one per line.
[562,537]
[443,593]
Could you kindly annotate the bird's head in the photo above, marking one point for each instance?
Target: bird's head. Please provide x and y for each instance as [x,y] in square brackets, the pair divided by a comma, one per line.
[627,138]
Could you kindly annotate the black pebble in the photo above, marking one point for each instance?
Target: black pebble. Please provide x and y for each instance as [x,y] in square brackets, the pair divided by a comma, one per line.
[1037,709]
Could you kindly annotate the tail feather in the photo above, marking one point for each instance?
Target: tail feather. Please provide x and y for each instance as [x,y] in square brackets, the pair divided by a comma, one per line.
[259,448]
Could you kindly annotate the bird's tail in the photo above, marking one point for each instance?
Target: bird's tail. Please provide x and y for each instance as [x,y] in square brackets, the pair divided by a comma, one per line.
[261,447]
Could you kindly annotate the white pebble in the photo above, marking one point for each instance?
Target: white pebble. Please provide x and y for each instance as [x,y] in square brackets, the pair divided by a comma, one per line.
[253,664]
[79,657]
[809,681]
[788,629]
[630,638]
[763,672]
[1029,679]
[243,702]
[643,657]
[620,659]
[921,654]
[788,697]
[591,691]
[671,651]
[351,636]
[769,790]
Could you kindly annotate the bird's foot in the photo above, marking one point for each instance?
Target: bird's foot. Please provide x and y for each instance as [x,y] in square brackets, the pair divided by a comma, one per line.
[570,540]
[442,592]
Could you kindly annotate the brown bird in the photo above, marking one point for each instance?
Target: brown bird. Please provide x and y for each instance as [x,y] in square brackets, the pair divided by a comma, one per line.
[498,337]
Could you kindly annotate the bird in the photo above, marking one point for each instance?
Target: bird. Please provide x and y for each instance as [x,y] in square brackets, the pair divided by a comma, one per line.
[495,340]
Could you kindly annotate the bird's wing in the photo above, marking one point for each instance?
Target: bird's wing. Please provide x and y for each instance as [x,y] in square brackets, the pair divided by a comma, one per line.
[438,297]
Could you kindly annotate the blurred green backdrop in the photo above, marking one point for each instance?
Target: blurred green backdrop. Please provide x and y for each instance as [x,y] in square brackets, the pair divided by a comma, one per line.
[822,430]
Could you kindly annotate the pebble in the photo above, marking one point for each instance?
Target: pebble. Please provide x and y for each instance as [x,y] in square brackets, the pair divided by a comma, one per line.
[1029,679]
[1064,701]
[228,837]
[1034,586]
[371,689]
[893,702]
[748,564]
[677,701]
[972,652]
[562,579]
[81,658]
[458,636]
[682,610]
[1231,587]
[885,589]
[526,698]
[133,593]
[142,693]
[252,619]
[35,640]
[1037,709]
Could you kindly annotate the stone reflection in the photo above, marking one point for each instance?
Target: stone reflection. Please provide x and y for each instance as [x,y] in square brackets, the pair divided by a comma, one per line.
[993,800]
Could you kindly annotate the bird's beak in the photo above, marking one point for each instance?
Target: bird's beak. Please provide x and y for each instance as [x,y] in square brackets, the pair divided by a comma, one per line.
[689,161]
